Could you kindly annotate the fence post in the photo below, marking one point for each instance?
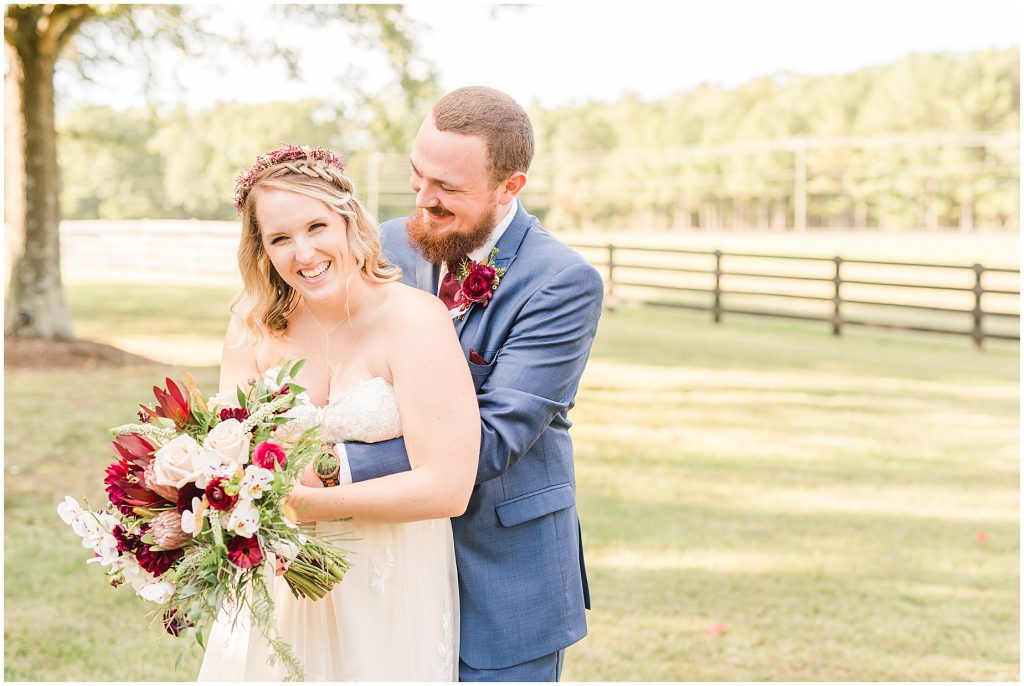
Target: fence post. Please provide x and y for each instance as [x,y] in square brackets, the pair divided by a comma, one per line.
[800,184]
[610,298]
[373,186]
[716,308]
[978,334]
[837,300]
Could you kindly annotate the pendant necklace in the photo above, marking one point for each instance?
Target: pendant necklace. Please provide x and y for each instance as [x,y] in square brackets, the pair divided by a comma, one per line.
[327,339]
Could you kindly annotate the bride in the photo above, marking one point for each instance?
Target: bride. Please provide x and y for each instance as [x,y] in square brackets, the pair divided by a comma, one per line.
[382,360]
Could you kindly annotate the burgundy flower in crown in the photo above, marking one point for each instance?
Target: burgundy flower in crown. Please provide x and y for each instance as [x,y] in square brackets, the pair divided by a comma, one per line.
[286,153]
[478,281]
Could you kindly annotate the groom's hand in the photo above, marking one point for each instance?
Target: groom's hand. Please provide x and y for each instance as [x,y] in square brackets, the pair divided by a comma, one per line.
[309,477]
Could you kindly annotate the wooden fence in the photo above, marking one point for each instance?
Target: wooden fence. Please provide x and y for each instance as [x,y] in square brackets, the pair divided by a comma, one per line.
[841,292]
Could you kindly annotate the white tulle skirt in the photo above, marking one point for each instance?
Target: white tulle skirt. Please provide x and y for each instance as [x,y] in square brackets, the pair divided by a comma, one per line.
[394,617]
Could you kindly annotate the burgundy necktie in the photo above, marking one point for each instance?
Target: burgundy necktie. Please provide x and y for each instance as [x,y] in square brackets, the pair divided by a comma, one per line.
[450,285]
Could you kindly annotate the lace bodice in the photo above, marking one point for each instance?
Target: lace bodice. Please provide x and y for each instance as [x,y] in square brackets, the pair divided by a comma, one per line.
[366,412]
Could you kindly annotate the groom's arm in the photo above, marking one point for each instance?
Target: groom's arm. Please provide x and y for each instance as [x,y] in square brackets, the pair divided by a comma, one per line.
[532,380]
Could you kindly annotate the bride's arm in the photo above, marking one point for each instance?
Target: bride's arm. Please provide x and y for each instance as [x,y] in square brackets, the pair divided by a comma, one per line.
[238,360]
[440,423]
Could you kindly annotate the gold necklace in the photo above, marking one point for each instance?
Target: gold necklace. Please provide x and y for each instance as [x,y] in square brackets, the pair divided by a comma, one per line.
[327,337]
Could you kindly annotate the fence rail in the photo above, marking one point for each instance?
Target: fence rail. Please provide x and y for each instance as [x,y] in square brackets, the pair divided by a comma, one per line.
[835,277]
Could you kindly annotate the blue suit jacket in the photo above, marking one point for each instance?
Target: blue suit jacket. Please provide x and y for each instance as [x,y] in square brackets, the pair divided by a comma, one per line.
[522,582]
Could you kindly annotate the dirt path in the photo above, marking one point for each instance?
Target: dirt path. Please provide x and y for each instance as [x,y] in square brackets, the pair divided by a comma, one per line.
[22,353]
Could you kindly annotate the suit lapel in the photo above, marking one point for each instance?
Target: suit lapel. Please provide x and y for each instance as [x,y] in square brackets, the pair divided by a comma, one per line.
[508,248]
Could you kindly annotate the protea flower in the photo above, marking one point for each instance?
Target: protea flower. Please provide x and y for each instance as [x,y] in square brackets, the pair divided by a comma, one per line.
[166,528]
[149,481]
[173,402]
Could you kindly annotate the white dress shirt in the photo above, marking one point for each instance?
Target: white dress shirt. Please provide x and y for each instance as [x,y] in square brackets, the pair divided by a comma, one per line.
[481,253]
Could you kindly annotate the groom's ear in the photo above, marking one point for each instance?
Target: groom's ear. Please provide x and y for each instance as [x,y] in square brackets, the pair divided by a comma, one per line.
[511,187]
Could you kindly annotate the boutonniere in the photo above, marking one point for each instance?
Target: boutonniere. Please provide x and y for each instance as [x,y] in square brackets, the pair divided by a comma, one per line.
[477,281]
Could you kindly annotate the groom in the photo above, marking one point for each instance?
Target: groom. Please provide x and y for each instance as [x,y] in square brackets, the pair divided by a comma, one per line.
[522,582]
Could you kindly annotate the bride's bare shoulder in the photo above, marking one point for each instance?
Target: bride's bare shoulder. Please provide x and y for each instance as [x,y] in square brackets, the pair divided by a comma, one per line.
[405,304]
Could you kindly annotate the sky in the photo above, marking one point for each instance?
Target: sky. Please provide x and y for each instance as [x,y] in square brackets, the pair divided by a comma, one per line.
[557,53]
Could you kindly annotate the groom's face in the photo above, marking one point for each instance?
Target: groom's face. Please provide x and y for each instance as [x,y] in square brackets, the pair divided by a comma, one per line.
[456,200]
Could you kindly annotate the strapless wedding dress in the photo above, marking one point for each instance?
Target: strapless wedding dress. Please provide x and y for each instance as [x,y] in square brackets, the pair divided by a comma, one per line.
[395,615]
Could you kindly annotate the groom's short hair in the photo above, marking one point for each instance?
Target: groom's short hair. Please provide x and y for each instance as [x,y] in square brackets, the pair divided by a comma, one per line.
[495,117]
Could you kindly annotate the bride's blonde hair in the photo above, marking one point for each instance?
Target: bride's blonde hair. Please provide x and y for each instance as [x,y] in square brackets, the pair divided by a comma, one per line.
[266,300]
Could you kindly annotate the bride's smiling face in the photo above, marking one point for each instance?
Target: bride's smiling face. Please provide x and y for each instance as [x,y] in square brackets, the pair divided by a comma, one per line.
[305,241]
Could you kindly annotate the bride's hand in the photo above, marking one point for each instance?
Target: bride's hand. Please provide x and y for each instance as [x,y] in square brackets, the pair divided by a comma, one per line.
[292,506]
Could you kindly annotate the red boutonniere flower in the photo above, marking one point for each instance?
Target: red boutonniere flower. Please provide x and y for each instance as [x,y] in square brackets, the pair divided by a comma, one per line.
[478,281]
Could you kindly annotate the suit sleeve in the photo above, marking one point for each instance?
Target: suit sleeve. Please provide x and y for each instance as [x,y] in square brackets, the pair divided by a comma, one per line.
[533,378]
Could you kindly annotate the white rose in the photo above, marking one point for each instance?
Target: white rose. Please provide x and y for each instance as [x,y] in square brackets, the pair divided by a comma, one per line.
[244,520]
[230,441]
[180,462]
[159,592]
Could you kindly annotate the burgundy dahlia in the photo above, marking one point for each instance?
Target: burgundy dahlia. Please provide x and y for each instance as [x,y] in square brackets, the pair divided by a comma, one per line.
[156,562]
[245,551]
[239,413]
[126,542]
[219,498]
[269,455]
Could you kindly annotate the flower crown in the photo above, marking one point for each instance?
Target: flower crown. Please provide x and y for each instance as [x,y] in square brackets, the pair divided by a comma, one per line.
[286,153]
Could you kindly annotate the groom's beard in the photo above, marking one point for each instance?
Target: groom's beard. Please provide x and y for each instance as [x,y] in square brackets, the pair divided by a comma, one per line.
[449,246]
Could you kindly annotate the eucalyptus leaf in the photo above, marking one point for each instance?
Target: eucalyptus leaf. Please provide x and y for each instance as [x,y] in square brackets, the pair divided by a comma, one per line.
[296,367]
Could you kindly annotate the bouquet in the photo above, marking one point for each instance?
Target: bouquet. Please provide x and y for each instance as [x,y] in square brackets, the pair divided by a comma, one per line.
[196,508]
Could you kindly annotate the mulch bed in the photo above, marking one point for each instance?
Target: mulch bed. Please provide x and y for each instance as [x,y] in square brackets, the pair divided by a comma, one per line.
[23,353]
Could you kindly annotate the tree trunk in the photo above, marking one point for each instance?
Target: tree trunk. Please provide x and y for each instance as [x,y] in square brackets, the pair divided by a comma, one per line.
[35,305]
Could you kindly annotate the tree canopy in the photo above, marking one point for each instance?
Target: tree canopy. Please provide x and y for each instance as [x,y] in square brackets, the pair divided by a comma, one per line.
[694,159]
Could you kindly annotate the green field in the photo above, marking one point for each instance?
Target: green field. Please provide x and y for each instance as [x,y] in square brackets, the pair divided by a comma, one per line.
[759,500]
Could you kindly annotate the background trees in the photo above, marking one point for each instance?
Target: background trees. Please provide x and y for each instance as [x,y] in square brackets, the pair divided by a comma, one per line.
[115,167]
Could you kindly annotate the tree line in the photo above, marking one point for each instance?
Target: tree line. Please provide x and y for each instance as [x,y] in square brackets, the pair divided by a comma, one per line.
[696,159]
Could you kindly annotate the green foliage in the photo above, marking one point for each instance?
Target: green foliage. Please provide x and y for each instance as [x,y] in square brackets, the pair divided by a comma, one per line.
[719,181]
[691,159]
[108,169]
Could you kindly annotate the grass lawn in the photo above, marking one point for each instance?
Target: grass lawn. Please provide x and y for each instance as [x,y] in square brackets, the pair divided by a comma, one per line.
[760,500]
